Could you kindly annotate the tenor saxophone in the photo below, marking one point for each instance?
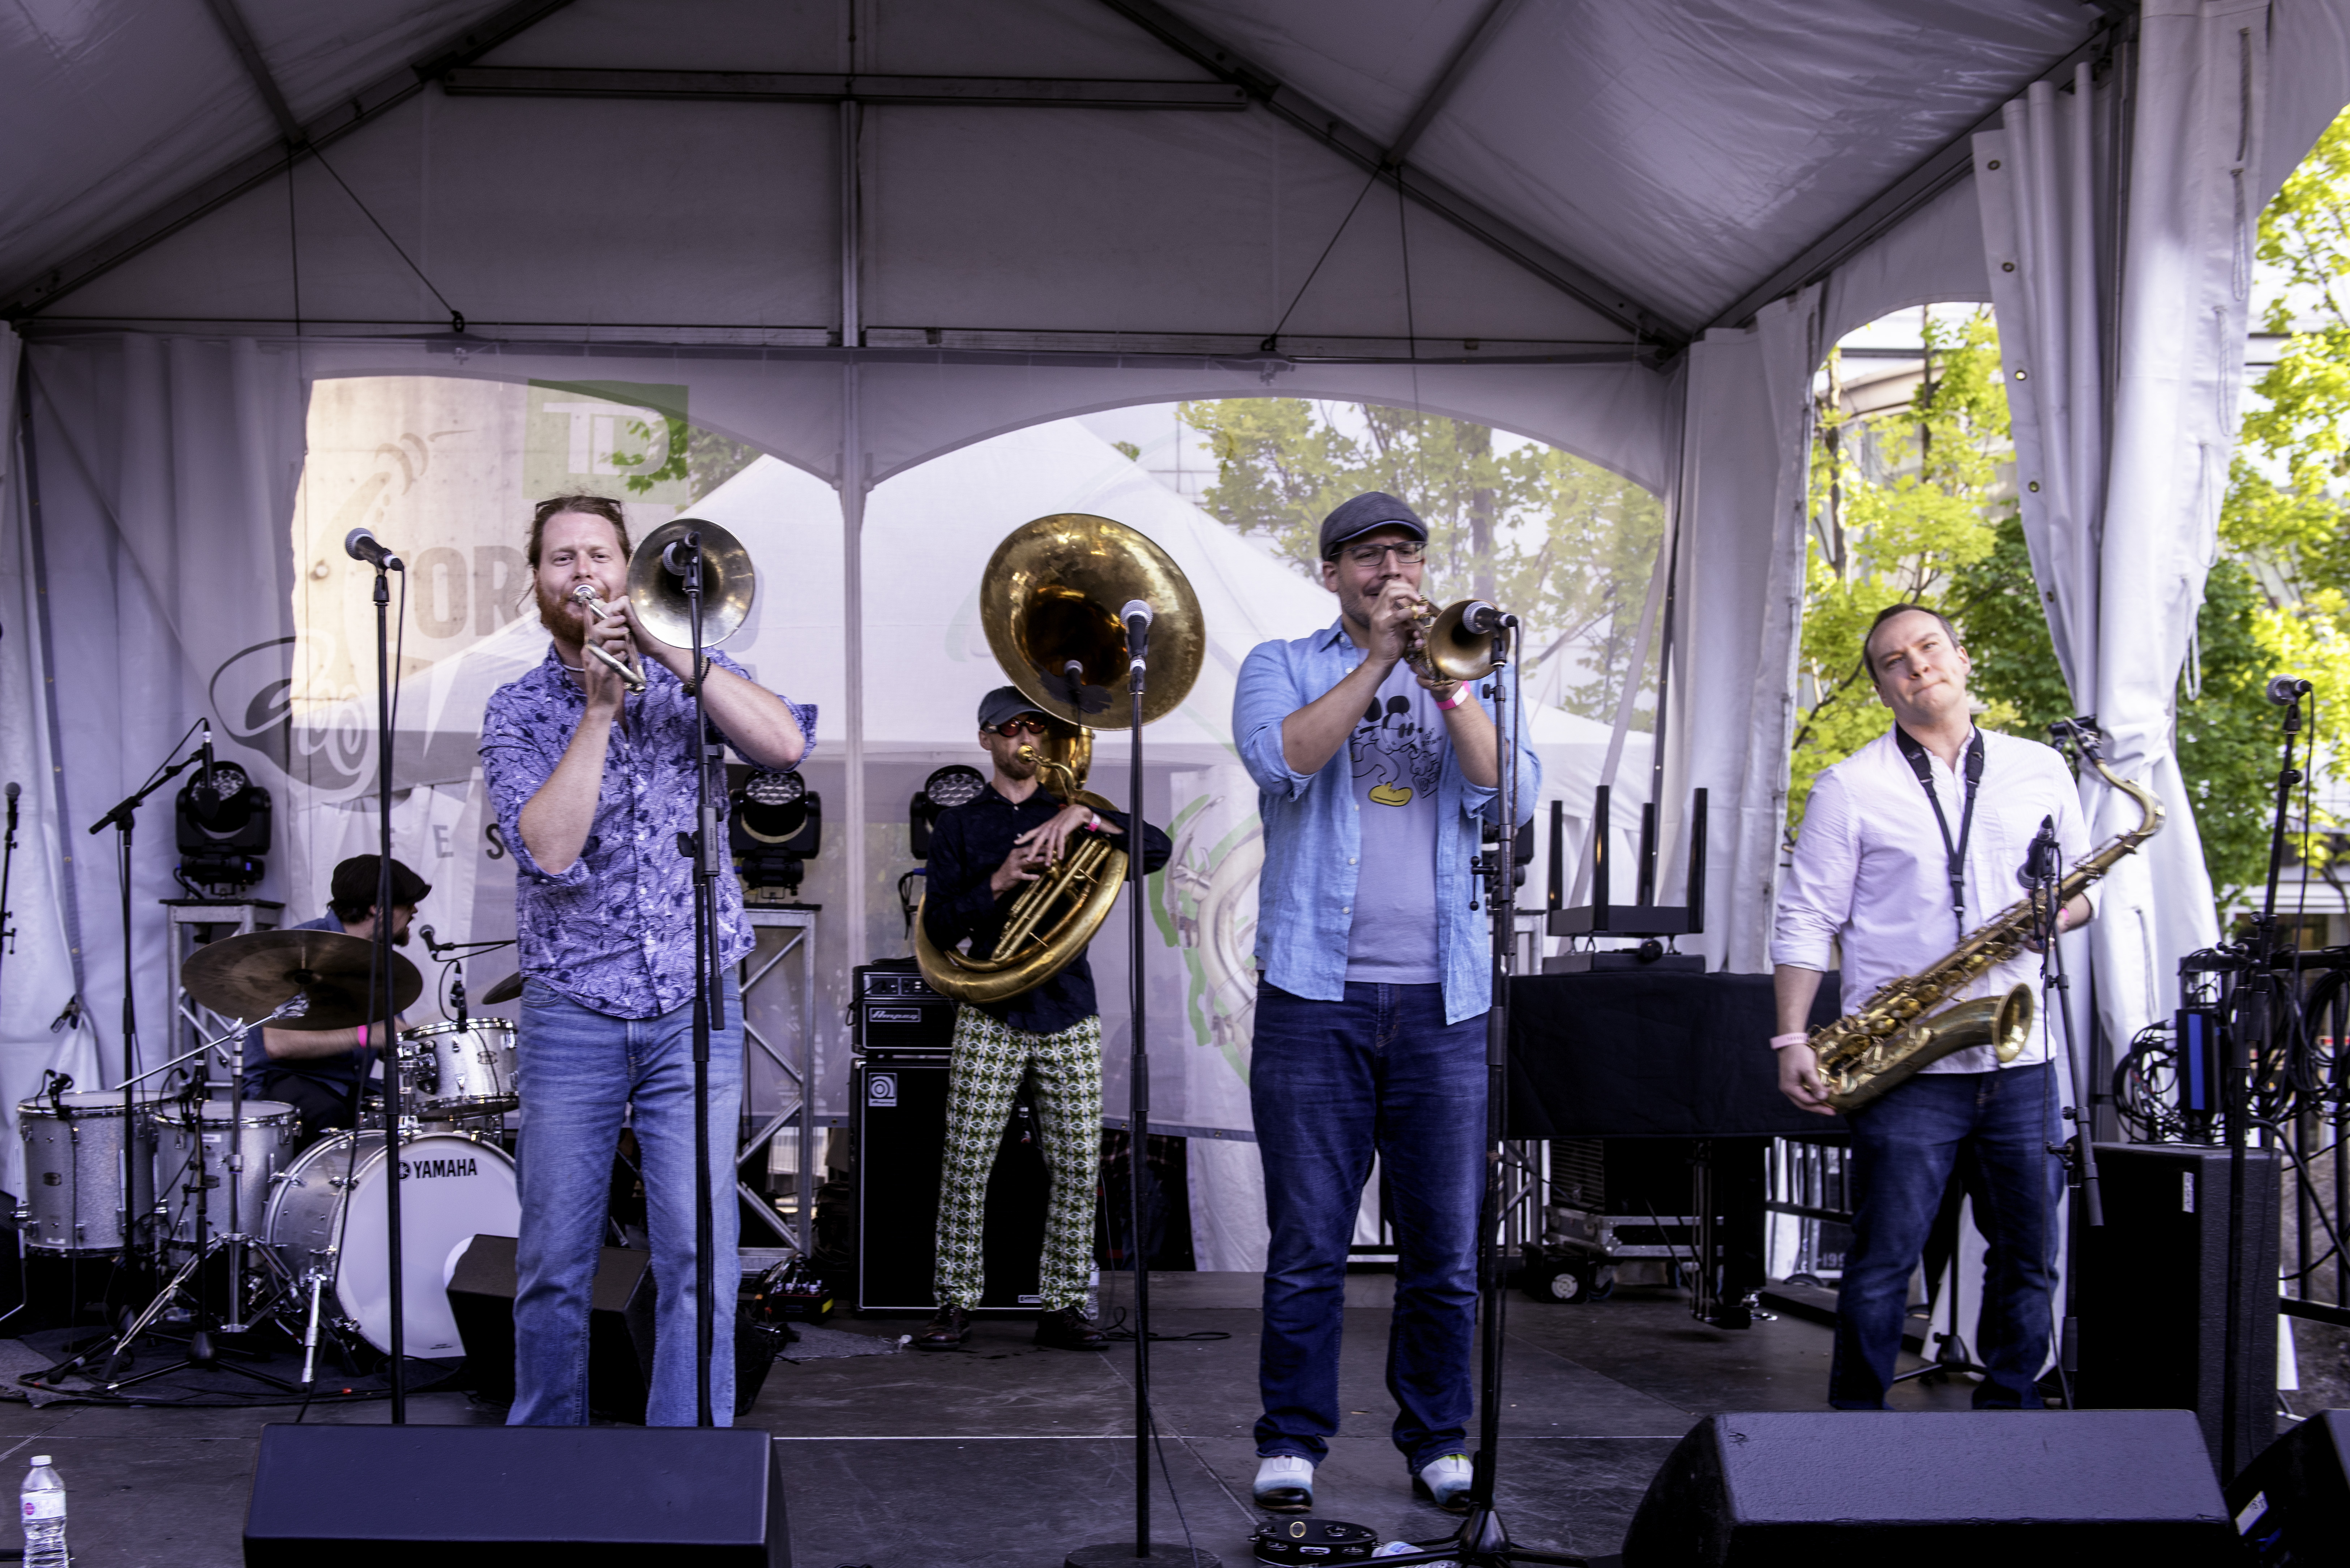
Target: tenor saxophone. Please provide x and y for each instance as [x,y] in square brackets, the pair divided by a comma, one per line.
[1911,1021]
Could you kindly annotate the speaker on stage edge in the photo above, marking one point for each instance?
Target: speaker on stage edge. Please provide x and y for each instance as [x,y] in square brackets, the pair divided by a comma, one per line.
[2291,1504]
[2039,1488]
[507,1497]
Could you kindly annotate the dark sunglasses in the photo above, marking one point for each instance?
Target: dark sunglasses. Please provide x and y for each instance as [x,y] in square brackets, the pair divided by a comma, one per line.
[1023,724]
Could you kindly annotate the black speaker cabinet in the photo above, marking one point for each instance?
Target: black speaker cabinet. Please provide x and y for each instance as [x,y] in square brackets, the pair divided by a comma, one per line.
[896,1149]
[2021,1489]
[501,1497]
[2292,1503]
[619,1325]
[2154,1291]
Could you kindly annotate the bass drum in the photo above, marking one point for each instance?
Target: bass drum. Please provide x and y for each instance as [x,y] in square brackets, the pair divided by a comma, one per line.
[328,1214]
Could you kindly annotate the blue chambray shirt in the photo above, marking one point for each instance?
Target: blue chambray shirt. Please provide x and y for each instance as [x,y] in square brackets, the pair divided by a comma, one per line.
[1313,833]
[614,932]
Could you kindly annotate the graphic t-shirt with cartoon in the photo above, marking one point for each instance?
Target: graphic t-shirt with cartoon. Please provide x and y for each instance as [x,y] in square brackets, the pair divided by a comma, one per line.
[1397,750]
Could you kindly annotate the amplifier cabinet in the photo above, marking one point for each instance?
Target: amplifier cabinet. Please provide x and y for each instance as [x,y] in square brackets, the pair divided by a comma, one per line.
[2154,1291]
[896,1149]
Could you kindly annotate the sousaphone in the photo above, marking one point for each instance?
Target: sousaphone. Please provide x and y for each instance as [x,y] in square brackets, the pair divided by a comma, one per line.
[1050,602]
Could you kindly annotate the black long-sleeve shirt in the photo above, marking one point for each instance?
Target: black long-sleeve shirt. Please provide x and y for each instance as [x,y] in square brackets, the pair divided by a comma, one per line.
[968,843]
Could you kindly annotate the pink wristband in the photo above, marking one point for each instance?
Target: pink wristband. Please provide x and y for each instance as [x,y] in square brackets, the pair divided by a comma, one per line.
[1780,1042]
[1460,695]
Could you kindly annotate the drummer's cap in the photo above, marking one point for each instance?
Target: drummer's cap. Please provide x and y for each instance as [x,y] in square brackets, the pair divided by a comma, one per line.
[354,886]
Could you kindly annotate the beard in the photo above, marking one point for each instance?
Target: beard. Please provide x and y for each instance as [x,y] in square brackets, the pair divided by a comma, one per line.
[560,616]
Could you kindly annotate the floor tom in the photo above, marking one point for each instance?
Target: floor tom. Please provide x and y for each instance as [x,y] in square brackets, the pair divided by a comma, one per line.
[74,1148]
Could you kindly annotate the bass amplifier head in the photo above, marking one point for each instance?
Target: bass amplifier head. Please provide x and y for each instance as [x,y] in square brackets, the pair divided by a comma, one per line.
[896,1010]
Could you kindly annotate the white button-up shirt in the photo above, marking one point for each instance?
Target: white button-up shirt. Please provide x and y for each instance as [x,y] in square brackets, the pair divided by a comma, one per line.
[1871,875]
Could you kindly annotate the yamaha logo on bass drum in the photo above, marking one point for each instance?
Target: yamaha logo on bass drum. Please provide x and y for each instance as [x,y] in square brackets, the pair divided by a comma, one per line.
[425,1170]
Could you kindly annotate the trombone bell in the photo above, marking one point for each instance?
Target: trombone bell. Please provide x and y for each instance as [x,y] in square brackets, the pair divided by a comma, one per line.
[657,594]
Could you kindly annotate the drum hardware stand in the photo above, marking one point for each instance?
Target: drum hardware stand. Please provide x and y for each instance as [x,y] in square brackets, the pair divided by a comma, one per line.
[8,867]
[201,1352]
[1482,1541]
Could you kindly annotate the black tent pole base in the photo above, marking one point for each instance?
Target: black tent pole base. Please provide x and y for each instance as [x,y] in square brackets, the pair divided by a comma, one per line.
[1122,1554]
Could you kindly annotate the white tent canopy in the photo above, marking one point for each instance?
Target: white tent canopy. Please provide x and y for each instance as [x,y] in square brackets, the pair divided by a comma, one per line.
[863,234]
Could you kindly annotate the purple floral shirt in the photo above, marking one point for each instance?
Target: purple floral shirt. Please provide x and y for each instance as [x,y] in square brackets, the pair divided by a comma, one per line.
[614,933]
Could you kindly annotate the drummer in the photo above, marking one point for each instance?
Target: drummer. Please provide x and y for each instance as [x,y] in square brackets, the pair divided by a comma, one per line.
[320,1071]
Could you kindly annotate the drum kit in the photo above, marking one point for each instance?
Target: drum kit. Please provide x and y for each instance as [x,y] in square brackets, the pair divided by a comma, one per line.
[180,1178]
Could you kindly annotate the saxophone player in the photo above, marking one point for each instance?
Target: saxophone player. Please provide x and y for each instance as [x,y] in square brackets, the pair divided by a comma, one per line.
[1906,845]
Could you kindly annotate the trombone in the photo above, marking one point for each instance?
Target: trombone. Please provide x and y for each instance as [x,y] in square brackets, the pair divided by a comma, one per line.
[657,591]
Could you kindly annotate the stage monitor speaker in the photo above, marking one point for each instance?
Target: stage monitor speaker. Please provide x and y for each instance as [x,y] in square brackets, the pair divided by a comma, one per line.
[619,1325]
[2292,1503]
[2154,1291]
[1935,1490]
[502,1497]
[897,1148]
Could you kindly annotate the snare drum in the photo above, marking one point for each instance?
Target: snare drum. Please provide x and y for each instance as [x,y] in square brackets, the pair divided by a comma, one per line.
[327,1212]
[465,1071]
[265,1136]
[73,1171]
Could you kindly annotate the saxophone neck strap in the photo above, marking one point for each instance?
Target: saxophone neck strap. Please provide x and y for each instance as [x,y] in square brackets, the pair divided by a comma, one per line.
[1954,851]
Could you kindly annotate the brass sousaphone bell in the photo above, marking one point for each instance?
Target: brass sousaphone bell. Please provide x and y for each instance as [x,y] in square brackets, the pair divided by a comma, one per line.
[1050,602]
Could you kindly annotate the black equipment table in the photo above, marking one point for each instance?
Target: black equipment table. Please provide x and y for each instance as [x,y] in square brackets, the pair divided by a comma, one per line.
[1613,1053]
[1682,1062]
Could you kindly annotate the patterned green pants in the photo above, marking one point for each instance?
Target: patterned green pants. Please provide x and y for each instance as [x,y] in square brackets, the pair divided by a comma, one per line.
[990,1059]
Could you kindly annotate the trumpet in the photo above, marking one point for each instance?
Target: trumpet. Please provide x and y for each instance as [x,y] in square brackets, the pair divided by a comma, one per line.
[620,667]
[1457,642]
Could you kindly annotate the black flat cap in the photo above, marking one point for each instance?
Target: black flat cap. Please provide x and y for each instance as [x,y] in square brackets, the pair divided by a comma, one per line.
[354,886]
[1005,702]
[1372,509]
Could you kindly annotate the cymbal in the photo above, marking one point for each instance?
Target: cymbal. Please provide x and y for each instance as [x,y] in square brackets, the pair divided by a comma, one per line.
[505,990]
[253,975]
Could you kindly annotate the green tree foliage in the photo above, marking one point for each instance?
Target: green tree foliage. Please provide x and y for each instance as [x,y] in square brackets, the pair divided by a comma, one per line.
[1905,505]
[1565,543]
[704,459]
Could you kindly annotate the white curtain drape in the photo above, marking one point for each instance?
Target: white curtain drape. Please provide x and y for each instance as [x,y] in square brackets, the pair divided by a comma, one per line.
[37,963]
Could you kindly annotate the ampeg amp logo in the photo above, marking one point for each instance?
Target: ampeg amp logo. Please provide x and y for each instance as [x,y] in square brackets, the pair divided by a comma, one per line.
[893,1014]
[881,1091]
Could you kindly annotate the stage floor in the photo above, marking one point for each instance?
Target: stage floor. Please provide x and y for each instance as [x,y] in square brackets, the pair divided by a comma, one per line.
[1005,1456]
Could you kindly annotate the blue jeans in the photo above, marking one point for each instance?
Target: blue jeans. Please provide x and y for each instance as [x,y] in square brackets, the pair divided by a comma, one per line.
[1332,1084]
[1994,1129]
[580,1069]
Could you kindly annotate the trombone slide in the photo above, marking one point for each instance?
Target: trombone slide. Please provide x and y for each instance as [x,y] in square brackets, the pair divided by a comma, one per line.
[620,667]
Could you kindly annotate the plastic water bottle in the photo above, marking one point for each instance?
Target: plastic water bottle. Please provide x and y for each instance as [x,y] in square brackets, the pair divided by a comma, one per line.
[43,1499]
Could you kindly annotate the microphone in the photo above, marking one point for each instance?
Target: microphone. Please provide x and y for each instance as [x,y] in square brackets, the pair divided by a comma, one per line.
[430,945]
[1137,618]
[70,1018]
[2039,860]
[361,546]
[1480,619]
[2284,691]
[457,993]
[676,558]
[14,789]
[205,785]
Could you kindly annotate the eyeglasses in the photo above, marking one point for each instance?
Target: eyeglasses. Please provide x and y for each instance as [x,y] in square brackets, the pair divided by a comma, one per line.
[1408,552]
[1026,723]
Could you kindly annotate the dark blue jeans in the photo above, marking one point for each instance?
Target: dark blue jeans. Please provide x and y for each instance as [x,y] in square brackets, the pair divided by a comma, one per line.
[1332,1084]
[1994,1129]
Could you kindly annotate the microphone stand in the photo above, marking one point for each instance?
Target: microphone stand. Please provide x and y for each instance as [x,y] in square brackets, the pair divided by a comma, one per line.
[2043,875]
[124,818]
[7,867]
[380,988]
[709,996]
[1482,1541]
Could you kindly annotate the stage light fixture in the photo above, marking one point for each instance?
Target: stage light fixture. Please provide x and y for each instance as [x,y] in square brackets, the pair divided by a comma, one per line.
[774,828]
[221,833]
[952,785]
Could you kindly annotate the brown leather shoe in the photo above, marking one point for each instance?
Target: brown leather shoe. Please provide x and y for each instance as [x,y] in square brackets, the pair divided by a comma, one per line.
[947,1331]
[1068,1328]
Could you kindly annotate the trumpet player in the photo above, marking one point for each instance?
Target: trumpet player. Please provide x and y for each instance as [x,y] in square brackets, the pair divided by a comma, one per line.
[593,788]
[1374,980]
[983,853]
[1906,845]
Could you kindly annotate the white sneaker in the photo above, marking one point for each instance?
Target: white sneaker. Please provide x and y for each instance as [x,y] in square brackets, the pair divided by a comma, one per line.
[1285,1484]
[1444,1481]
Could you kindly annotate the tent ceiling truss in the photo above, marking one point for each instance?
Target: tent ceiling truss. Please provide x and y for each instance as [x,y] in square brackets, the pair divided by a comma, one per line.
[787,87]
[369,103]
